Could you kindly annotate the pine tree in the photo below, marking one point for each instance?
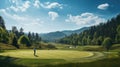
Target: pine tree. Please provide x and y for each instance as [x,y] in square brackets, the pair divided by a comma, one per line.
[21,31]
[14,42]
[2,24]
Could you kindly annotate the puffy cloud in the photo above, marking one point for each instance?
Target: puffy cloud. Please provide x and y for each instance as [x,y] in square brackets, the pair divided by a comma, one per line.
[14,8]
[52,5]
[37,3]
[20,7]
[103,6]
[53,15]
[86,19]
[25,6]
[13,1]
[27,22]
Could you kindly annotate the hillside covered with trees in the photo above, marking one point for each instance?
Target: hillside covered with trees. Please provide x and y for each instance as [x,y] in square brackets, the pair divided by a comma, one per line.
[96,35]
[17,38]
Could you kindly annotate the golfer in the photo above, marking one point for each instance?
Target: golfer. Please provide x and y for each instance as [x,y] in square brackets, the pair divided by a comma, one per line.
[34,51]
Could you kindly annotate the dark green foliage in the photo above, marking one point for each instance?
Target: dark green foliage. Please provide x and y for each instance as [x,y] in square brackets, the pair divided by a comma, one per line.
[107,43]
[24,40]
[118,35]
[95,34]
[11,37]
[21,32]
[34,38]
[50,46]
[8,62]
[14,42]
[15,31]
[3,35]
[2,24]
[113,62]
[30,36]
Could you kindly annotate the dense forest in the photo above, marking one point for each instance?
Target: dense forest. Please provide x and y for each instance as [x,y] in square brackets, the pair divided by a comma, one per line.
[17,37]
[96,35]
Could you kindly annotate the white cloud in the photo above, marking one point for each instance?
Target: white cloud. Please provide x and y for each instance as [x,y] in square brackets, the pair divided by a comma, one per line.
[20,7]
[26,22]
[53,15]
[86,19]
[25,6]
[103,6]
[14,8]
[49,5]
[37,3]
[13,1]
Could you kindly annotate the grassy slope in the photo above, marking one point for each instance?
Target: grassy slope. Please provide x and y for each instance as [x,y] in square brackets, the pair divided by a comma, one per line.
[111,61]
[6,46]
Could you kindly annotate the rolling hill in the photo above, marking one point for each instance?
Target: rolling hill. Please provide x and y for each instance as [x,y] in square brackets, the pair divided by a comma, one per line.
[52,36]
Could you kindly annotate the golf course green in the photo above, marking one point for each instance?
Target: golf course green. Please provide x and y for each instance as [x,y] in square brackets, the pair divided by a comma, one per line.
[45,58]
[48,54]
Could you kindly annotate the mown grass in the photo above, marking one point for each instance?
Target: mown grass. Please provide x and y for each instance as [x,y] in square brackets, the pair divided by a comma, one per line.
[8,62]
[45,57]
[48,54]
[111,62]
[112,57]
[13,62]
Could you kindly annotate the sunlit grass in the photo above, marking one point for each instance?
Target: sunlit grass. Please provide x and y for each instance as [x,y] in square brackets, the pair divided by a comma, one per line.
[48,54]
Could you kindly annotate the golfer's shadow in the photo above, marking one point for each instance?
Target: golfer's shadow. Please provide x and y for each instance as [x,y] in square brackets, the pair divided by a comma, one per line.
[36,55]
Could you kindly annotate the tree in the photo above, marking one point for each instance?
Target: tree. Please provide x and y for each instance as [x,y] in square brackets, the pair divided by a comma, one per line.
[36,37]
[21,32]
[99,40]
[107,43]
[11,36]
[24,40]
[14,42]
[3,35]
[30,36]
[118,35]
[15,30]
[33,37]
[2,24]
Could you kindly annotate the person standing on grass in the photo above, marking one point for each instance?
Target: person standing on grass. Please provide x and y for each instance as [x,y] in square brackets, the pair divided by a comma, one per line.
[34,51]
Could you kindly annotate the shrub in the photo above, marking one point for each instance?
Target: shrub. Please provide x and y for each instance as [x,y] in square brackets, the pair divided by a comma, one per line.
[107,43]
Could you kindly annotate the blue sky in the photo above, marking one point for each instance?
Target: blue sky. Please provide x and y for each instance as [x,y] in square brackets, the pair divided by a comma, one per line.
[44,16]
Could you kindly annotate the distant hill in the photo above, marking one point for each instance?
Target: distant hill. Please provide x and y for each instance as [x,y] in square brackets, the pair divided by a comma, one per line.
[52,36]
[69,32]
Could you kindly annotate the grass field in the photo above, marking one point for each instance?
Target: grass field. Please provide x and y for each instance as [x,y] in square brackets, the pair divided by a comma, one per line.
[47,54]
[45,57]
[85,56]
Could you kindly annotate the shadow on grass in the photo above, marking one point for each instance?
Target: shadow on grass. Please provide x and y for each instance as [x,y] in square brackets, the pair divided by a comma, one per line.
[36,55]
[7,62]
[113,62]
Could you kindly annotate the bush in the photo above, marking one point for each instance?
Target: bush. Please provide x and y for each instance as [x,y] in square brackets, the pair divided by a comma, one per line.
[50,46]
[24,40]
[107,43]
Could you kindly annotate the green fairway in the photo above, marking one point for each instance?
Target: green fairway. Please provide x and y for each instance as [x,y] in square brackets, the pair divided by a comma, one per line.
[48,57]
[48,54]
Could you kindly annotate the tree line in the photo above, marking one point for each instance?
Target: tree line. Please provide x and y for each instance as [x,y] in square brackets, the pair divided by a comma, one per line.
[96,35]
[17,37]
